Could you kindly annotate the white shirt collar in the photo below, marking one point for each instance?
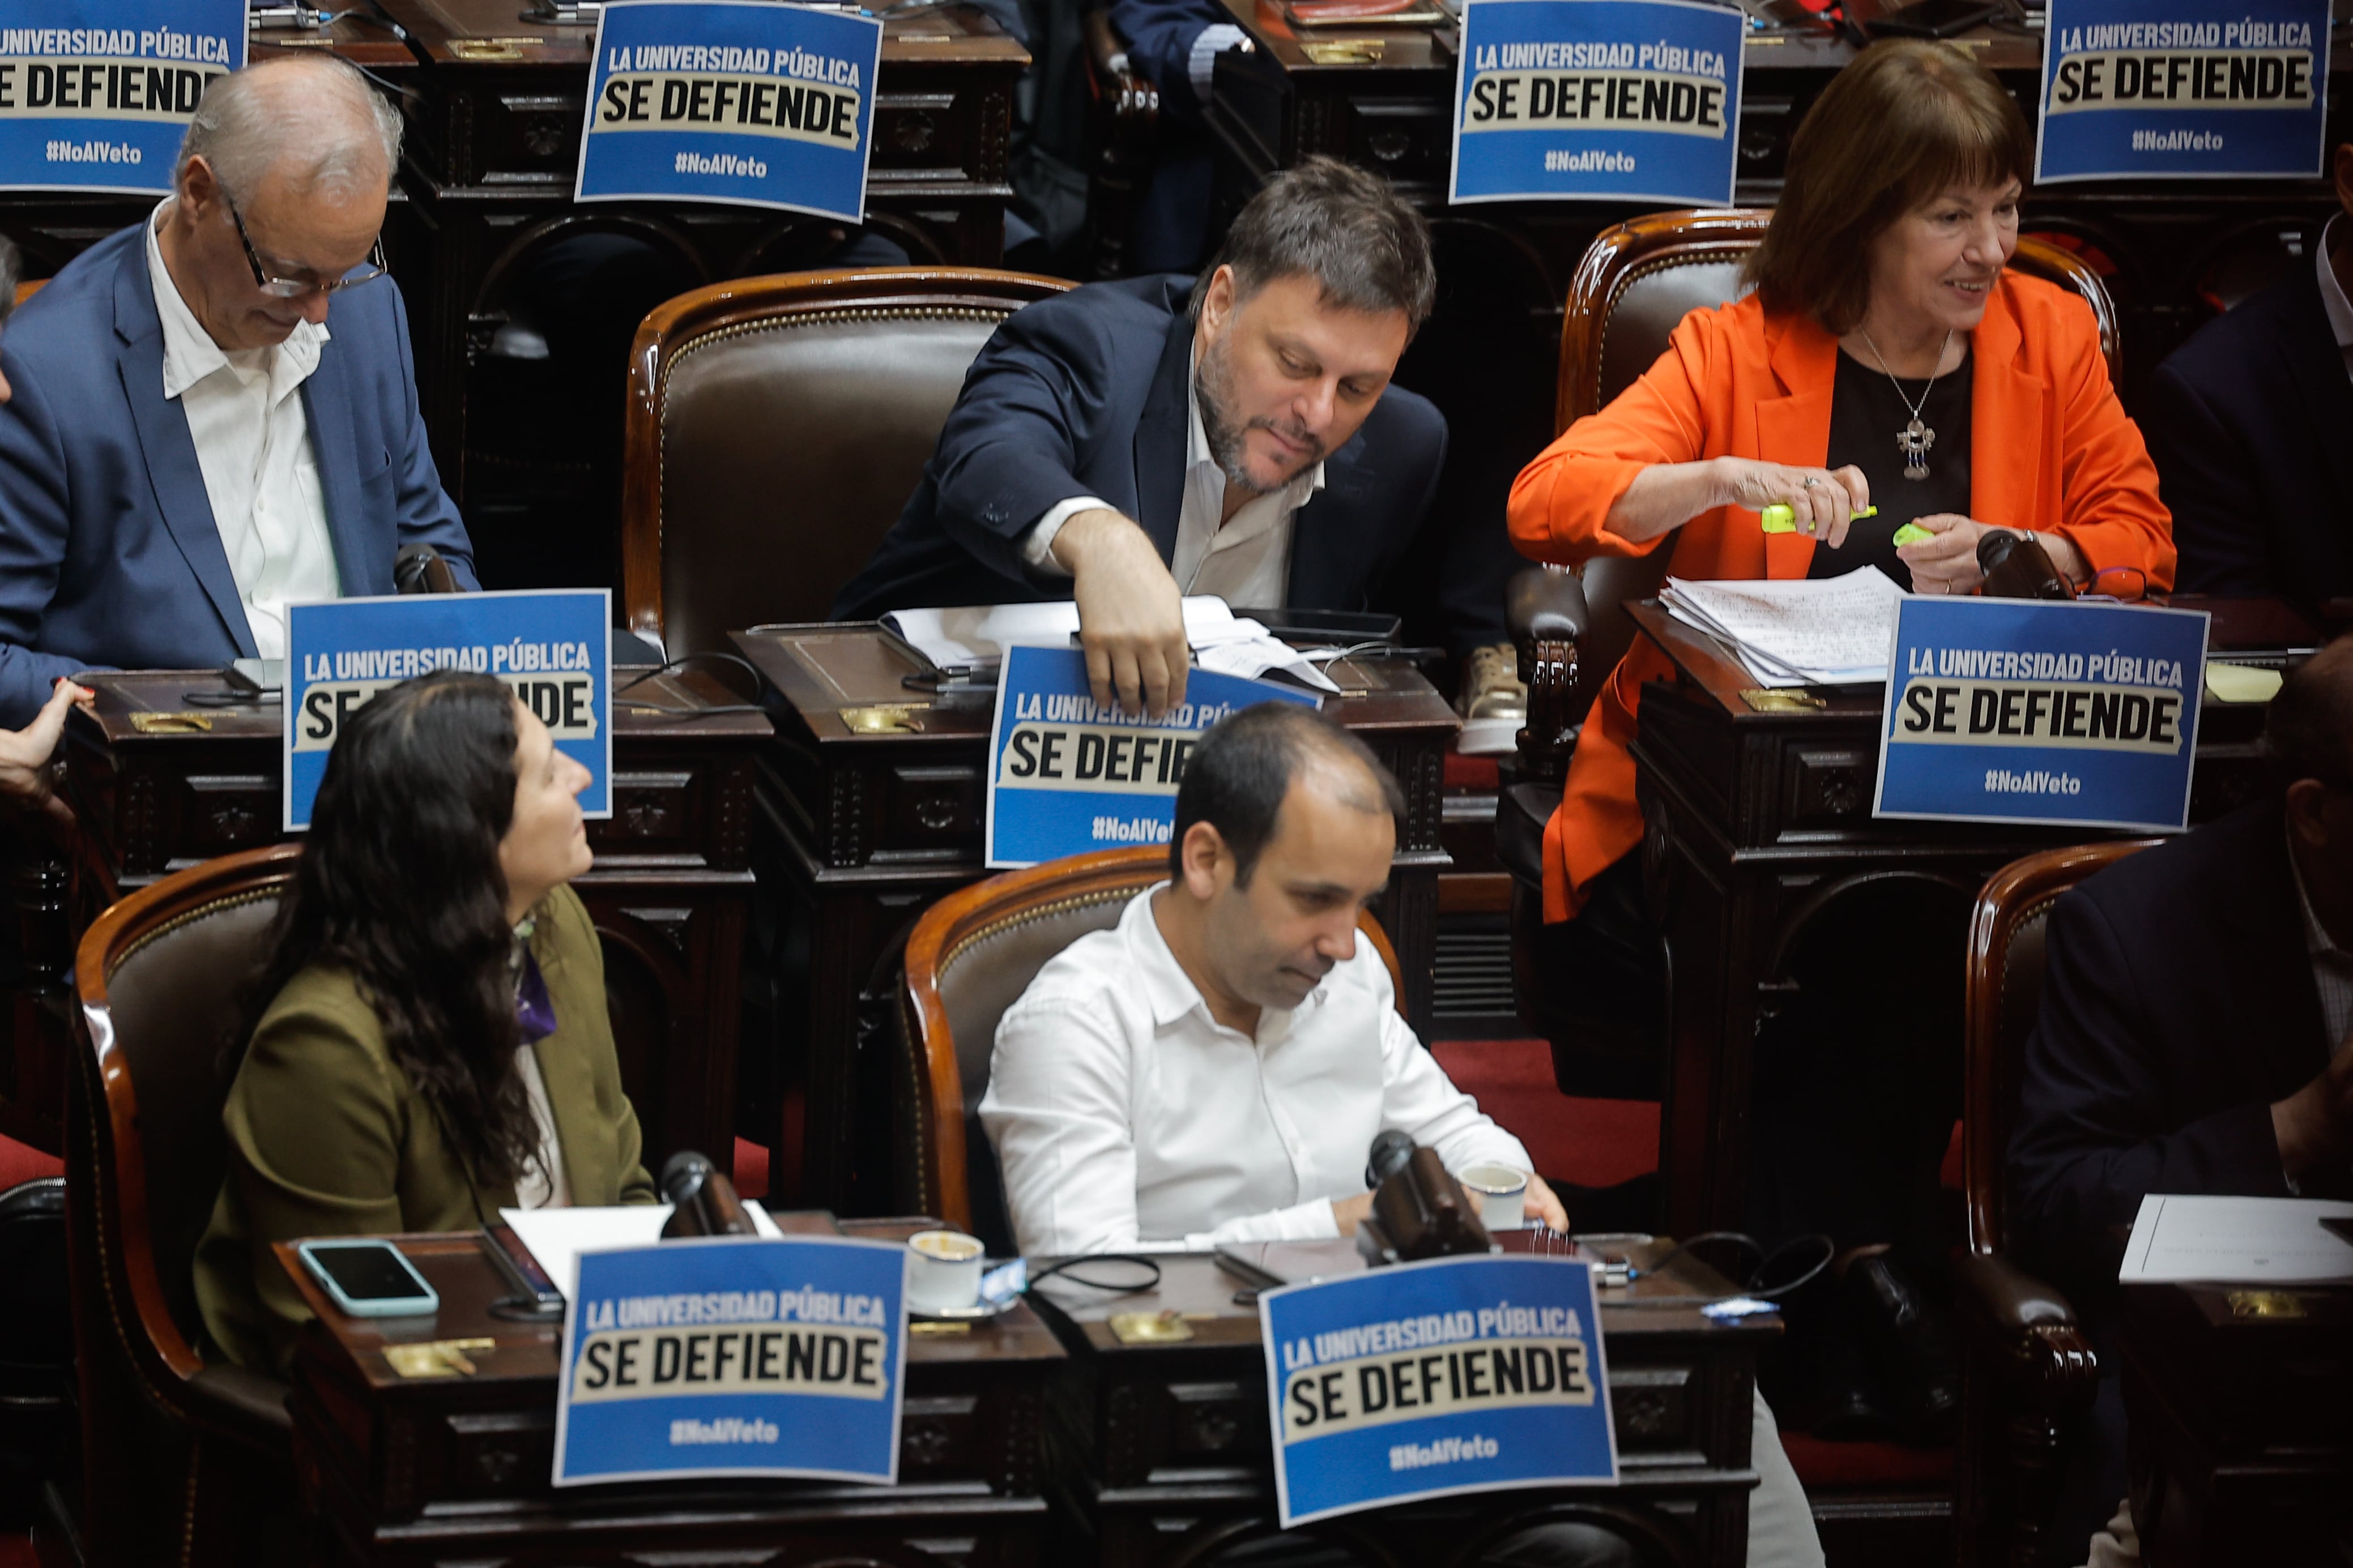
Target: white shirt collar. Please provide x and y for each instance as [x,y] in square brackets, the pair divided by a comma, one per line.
[190,356]
[2332,290]
[1289,498]
[1167,988]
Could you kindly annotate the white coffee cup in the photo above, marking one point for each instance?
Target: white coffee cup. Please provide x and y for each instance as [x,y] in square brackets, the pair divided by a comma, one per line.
[1503,1194]
[942,1271]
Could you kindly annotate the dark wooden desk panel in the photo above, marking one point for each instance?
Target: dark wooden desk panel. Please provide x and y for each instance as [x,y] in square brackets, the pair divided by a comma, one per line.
[670,893]
[860,829]
[440,1471]
[1753,822]
[1167,1447]
[2241,1405]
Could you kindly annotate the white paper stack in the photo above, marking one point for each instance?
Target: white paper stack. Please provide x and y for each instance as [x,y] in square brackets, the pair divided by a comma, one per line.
[970,642]
[558,1236]
[2181,1240]
[1797,632]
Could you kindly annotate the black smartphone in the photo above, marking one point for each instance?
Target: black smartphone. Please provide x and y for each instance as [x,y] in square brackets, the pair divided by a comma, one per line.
[1933,20]
[256,676]
[521,1270]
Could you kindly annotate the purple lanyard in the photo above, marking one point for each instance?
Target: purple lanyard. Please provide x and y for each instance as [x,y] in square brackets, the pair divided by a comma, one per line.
[534,1013]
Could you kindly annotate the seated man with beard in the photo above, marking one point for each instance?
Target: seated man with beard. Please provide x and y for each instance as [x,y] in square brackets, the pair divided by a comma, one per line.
[1126,444]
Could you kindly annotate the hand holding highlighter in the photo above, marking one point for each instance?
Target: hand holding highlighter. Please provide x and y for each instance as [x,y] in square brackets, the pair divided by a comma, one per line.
[1780,519]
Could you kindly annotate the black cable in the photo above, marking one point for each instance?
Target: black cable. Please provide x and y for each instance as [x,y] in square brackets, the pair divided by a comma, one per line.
[1065,1267]
[759,684]
[1752,1287]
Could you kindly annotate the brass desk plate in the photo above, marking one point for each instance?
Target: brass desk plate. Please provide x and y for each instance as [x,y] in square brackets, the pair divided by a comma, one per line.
[1785,701]
[481,49]
[2266,1304]
[439,1358]
[1343,51]
[885,718]
[186,723]
[1149,1328]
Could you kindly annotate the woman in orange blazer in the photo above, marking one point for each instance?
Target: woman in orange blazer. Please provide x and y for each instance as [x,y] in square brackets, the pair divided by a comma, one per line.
[1883,270]
[1886,357]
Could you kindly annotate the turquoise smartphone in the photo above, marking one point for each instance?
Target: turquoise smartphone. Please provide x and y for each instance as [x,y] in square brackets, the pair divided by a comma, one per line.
[369,1278]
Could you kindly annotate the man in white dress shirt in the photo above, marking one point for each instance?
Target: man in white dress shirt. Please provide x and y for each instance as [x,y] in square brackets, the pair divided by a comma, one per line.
[1215,1067]
[216,410]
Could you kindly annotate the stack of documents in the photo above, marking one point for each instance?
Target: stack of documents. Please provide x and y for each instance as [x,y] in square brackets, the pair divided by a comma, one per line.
[1797,632]
[2237,1241]
[969,643]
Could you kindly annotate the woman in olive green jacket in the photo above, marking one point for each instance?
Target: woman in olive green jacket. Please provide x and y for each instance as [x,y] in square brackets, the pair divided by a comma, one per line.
[434,1045]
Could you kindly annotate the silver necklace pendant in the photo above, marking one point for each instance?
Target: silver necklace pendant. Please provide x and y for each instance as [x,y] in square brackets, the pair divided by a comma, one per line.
[1914,441]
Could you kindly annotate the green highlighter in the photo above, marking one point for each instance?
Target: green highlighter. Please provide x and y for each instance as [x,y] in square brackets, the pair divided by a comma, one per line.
[1780,519]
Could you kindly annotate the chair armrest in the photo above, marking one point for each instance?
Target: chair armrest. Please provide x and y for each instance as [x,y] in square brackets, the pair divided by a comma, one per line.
[1545,603]
[246,1404]
[1132,101]
[1546,613]
[2031,1328]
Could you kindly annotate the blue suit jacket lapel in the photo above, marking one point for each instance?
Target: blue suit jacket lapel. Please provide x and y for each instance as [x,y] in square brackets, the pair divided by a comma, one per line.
[1162,436]
[170,452]
[2308,345]
[327,406]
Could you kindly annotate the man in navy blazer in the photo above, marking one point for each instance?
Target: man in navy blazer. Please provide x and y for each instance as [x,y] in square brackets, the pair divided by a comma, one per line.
[2193,1037]
[1126,443]
[2251,423]
[164,487]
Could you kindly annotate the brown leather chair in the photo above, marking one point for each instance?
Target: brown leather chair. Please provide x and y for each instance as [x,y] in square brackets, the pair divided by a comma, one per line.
[183,1460]
[968,960]
[1633,286]
[776,427]
[2028,1371]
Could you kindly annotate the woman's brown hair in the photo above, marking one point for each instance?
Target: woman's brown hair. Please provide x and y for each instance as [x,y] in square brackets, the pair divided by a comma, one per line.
[1907,121]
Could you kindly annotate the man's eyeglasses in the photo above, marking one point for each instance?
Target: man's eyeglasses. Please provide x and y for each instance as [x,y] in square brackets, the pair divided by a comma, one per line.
[295,288]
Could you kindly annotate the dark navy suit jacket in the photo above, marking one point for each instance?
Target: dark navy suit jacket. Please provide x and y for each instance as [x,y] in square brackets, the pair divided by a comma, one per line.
[109,556]
[2251,423]
[1084,394]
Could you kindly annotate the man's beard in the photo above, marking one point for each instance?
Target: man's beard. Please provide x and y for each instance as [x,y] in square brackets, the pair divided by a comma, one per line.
[1213,389]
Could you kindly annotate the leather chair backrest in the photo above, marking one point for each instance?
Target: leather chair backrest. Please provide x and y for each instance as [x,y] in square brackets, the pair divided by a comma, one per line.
[778,426]
[177,999]
[2005,994]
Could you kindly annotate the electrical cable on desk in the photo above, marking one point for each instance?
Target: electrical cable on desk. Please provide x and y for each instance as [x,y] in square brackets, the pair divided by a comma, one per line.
[1064,1268]
[1755,1289]
[759,683]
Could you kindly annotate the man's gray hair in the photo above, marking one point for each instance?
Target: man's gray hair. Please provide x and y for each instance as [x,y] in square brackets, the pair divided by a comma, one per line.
[330,130]
[1343,227]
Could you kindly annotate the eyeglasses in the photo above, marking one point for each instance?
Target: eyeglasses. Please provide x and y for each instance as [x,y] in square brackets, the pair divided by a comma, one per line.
[295,288]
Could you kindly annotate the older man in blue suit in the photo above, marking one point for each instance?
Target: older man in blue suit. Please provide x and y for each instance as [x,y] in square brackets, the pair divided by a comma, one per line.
[216,410]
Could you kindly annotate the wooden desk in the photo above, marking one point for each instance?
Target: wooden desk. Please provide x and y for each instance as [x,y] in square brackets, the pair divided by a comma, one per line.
[670,894]
[2242,1424]
[1756,820]
[859,830]
[445,1470]
[1166,1448]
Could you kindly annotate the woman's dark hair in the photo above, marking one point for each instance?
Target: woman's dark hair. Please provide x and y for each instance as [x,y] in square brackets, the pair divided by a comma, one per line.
[399,886]
[1236,776]
[1909,120]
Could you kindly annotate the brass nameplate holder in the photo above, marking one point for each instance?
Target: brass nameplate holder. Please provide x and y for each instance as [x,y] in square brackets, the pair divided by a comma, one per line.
[1150,1327]
[478,49]
[885,718]
[936,1326]
[1343,51]
[187,723]
[439,1358]
[2266,1304]
[1761,700]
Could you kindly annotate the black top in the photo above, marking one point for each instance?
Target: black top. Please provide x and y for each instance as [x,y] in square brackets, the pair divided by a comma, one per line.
[1866,414]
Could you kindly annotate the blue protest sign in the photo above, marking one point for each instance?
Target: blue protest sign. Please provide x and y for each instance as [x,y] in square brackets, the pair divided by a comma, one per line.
[552,646]
[2182,90]
[1066,776]
[731,101]
[1462,1374]
[1595,99]
[2012,710]
[733,1356]
[95,95]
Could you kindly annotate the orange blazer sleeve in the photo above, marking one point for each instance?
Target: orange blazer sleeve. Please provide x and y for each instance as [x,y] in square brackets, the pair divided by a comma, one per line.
[2108,505]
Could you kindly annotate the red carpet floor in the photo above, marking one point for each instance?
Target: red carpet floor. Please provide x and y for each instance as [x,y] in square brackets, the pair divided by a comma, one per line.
[1592,1143]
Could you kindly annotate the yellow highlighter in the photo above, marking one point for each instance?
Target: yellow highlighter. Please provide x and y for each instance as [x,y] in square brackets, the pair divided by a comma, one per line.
[1780,519]
[1913,533]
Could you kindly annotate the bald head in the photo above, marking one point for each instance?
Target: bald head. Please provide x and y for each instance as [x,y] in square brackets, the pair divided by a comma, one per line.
[310,123]
[2308,733]
[1238,776]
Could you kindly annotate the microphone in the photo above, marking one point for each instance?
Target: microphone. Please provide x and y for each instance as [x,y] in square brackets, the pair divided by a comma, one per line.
[420,569]
[1391,1150]
[2016,567]
[702,1199]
